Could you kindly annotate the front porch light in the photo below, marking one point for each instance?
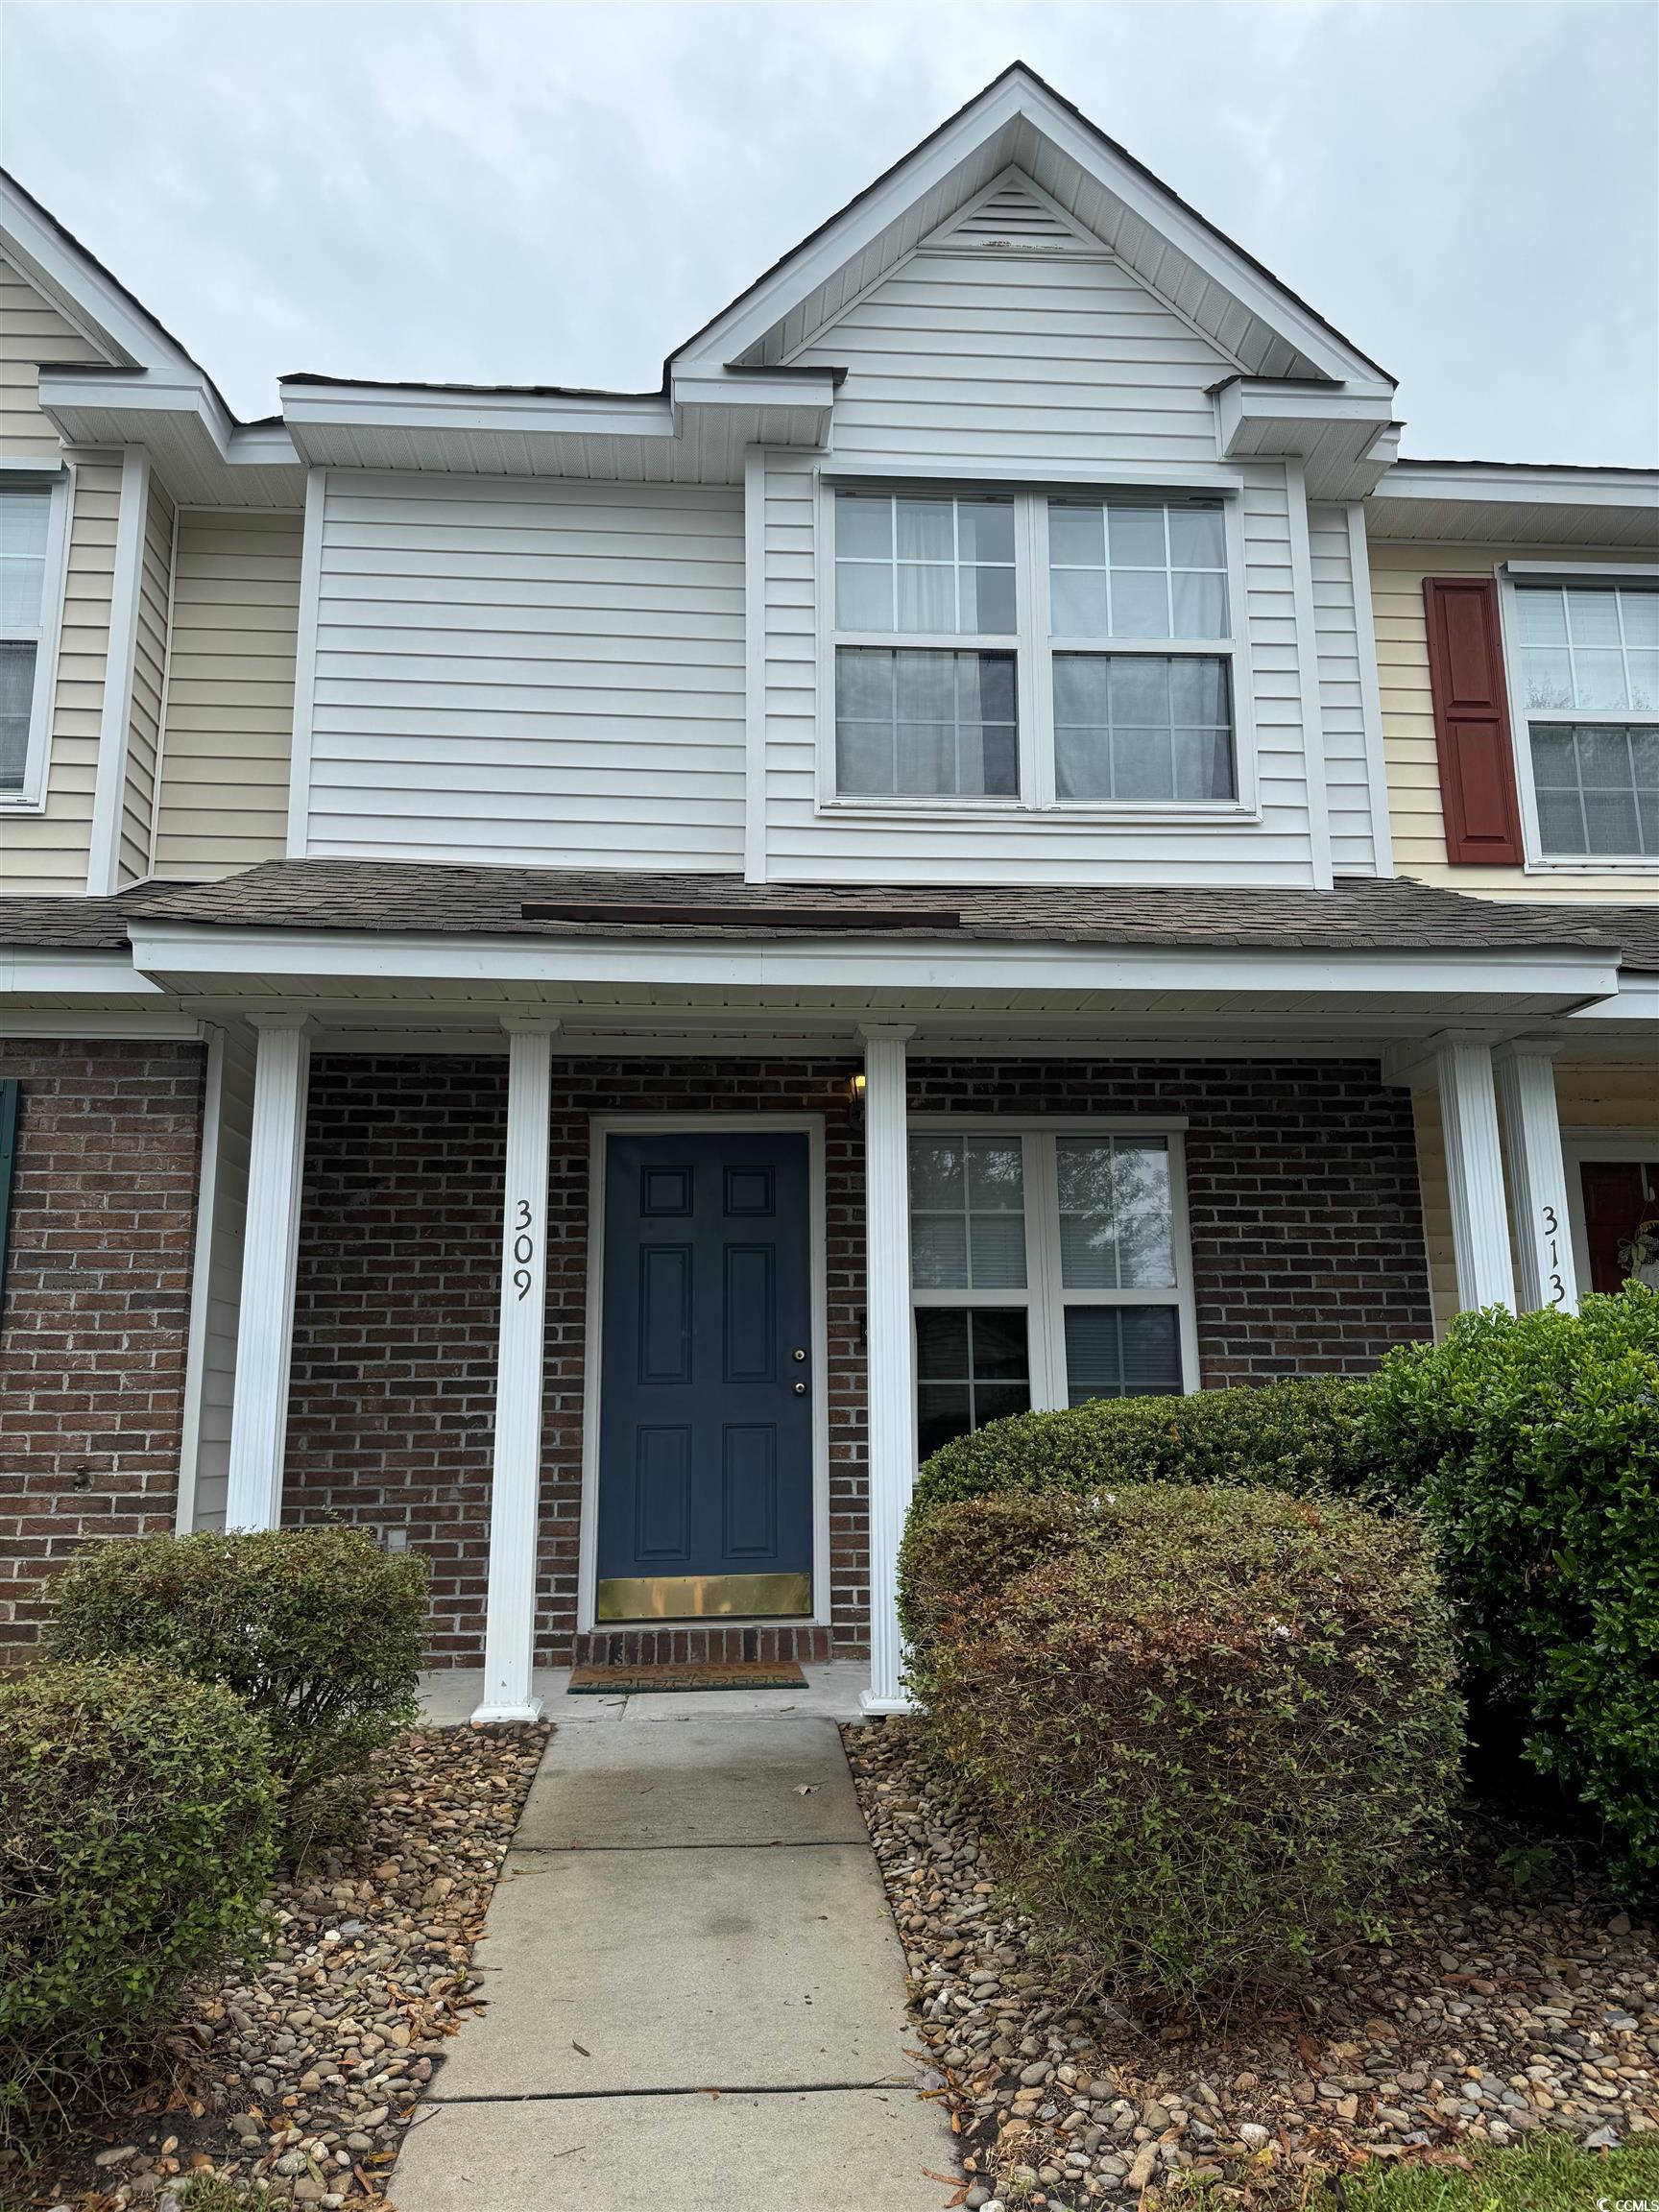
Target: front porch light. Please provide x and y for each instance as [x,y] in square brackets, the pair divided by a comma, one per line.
[856,1098]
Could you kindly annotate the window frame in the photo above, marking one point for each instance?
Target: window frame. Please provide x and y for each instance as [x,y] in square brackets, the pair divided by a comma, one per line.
[1046,1297]
[29,474]
[1034,651]
[1512,578]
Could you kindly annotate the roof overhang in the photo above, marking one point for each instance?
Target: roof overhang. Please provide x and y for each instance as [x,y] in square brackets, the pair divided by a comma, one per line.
[1345,440]
[1020,122]
[1515,504]
[201,454]
[695,431]
[196,961]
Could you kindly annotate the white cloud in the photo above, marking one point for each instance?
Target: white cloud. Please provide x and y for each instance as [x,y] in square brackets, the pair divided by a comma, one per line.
[559,193]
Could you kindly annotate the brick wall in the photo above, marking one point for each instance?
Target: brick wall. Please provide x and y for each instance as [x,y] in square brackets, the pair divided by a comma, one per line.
[394,1329]
[1307,1225]
[1306,1244]
[94,1328]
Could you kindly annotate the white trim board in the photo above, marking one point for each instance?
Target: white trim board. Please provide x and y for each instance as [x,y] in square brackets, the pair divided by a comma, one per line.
[116,717]
[601,1127]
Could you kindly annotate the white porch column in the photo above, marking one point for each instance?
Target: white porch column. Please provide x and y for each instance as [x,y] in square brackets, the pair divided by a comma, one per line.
[271,1238]
[515,1476]
[1475,1172]
[1537,1173]
[892,1418]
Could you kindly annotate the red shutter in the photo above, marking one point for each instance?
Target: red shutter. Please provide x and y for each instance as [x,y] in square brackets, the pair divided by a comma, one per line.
[1471,720]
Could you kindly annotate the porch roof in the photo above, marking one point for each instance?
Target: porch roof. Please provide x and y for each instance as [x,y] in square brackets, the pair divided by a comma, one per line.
[397,896]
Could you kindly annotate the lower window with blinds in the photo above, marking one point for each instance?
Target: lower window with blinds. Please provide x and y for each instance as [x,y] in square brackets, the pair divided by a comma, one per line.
[1048,1265]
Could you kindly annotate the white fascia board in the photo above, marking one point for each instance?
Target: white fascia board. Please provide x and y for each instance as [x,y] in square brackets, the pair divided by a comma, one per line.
[1571,974]
[88,296]
[1019,98]
[1636,999]
[1244,403]
[721,388]
[522,414]
[1631,490]
[67,392]
[41,970]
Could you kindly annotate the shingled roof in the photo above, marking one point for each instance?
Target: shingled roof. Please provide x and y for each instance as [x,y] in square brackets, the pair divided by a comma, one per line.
[379,896]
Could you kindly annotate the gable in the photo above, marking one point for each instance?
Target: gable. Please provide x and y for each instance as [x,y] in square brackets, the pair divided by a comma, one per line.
[1089,187]
[1041,352]
[32,330]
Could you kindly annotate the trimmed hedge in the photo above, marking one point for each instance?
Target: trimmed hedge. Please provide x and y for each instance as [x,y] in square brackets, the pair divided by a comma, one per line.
[137,1833]
[1205,1730]
[317,1630]
[1299,1436]
[1532,1444]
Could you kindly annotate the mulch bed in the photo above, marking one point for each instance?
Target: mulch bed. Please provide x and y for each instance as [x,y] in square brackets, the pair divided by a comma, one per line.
[298,2085]
[1492,2013]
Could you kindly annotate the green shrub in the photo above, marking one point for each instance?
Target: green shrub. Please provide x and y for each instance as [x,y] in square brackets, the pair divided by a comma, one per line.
[137,1833]
[1532,1444]
[1298,1436]
[1204,1730]
[317,1630]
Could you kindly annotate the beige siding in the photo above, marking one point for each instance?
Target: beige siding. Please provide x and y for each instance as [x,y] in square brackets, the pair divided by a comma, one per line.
[1397,573]
[229,721]
[1586,1097]
[31,331]
[149,667]
[46,852]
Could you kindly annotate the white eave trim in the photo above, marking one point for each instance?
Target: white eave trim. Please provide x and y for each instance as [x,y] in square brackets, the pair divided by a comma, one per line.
[1575,974]
[48,971]
[1020,98]
[520,414]
[1637,491]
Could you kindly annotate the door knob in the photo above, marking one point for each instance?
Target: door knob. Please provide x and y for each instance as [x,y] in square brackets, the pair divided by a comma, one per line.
[800,1389]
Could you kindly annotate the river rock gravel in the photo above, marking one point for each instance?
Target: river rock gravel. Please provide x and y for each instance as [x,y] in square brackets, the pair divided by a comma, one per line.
[1491,2014]
[297,2085]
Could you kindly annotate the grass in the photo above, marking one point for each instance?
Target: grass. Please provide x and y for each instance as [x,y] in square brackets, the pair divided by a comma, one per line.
[1549,2174]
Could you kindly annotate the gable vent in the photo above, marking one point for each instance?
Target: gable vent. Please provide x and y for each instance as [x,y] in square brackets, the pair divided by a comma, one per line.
[1014,220]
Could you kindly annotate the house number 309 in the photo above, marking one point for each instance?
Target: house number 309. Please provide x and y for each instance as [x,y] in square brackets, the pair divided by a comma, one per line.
[523,1250]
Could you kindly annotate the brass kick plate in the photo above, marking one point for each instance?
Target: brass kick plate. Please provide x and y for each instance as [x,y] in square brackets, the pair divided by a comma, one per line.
[702,1597]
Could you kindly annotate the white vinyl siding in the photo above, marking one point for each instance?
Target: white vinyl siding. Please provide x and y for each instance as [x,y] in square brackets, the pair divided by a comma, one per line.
[224,797]
[1041,360]
[1341,694]
[806,841]
[543,673]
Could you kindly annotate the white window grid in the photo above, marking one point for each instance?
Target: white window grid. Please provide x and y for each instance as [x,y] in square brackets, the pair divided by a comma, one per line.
[1035,648]
[1044,1297]
[1615,579]
[57,482]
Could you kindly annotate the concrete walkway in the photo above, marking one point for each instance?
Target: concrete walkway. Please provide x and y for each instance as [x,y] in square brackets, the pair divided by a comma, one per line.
[695,1992]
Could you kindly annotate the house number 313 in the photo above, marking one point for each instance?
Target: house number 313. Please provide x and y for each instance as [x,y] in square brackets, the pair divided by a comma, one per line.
[1552,1237]
[523,1250]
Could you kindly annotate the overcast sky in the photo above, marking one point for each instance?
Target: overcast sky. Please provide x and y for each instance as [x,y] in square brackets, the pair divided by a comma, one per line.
[562,193]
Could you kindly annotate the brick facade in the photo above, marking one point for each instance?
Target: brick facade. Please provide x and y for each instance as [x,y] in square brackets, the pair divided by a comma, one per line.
[94,1330]
[1307,1247]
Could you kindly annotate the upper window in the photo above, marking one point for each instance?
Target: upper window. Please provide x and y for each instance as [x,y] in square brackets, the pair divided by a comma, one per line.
[1099,670]
[1589,680]
[30,533]
[1046,1267]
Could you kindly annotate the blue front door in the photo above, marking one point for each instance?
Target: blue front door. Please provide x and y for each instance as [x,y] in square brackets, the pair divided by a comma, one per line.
[706,1393]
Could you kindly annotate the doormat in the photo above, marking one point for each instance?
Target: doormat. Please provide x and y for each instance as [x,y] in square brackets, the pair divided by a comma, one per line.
[704,1674]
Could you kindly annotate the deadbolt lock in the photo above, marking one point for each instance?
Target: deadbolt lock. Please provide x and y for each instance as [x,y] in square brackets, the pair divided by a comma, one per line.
[800,1351]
